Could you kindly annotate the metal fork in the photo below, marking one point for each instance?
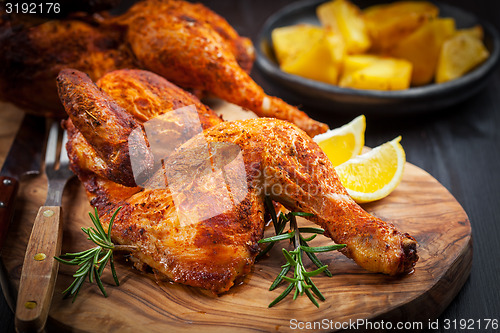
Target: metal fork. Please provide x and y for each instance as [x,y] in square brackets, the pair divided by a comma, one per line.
[39,272]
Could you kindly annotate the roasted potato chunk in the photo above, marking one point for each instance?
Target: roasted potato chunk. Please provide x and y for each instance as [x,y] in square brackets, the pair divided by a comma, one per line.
[308,51]
[459,55]
[291,41]
[422,48]
[336,46]
[344,18]
[353,63]
[388,24]
[376,73]
[475,31]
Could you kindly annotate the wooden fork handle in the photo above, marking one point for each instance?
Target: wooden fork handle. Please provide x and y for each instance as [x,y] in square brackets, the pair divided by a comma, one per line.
[39,272]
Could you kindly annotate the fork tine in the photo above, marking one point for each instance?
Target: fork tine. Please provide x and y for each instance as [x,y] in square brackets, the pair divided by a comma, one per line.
[51,150]
[64,159]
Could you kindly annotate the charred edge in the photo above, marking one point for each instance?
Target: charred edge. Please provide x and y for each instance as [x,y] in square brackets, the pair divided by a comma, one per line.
[410,256]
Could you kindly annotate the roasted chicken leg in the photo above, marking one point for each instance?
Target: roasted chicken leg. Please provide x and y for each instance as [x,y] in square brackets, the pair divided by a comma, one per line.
[193,47]
[186,43]
[202,227]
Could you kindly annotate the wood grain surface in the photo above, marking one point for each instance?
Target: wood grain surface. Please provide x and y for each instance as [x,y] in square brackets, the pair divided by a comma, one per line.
[420,206]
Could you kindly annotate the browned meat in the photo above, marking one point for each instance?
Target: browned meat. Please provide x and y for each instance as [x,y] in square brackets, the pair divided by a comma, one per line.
[195,48]
[202,229]
[106,122]
[186,43]
[32,57]
[145,96]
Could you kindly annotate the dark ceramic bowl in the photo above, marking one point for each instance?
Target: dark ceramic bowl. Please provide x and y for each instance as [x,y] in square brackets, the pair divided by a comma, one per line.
[332,98]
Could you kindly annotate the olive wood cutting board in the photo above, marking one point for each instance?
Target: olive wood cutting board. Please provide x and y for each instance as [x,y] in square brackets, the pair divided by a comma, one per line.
[420,206]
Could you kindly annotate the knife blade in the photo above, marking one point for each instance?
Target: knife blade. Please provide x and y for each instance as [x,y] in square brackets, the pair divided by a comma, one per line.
[23,158]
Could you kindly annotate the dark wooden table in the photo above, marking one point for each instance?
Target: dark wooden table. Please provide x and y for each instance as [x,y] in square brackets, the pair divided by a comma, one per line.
[459,146]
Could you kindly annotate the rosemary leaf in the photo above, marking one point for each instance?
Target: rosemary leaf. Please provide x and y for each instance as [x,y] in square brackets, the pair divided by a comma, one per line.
[312,230]
[311,297]
[290,279]
[66,291]
[270,208]
[296,293]
[315,260]
[301,214]
[99,283]
[281,296]
[91,273]
[308,239]
[316,271]
[78,284]
[96,222]
[315,289]
[67,262]
[113,271]
[102,265]
[111,222]
[92,262]
[323,248]
[301,280]
[277,238]
[262,253]
[289,257]
[279,278]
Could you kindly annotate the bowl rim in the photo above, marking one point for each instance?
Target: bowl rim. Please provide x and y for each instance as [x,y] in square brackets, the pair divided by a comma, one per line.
[271,68]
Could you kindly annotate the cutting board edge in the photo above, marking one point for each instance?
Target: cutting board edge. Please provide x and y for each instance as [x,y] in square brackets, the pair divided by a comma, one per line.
[404,310]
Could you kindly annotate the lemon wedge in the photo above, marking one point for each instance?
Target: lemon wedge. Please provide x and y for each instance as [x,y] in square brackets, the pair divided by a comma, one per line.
[343,143]
[375,174]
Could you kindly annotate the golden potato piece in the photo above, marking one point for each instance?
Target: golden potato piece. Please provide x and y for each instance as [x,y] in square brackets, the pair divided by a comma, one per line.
[388,24]
[337,47]
[422,48]
[344,18]
[476,32]
[381,74]
[289,42]
[353,63]
[314,64]
[459,55]
[314,61]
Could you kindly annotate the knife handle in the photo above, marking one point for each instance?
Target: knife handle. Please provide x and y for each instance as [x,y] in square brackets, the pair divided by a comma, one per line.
[8,191]
[39,272]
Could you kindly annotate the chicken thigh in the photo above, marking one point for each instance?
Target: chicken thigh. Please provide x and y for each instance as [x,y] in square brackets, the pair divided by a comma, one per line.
[198,218]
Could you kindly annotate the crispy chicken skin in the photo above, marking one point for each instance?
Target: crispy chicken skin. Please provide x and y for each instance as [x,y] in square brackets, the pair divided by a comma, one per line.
[138,96]
[198,54]
[190,15]
[213,252]
[146,96]
[186,43]
[32,56]
[85,104]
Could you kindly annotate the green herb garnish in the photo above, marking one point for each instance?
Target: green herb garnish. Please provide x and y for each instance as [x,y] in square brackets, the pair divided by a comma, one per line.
[301,280]
[91,262]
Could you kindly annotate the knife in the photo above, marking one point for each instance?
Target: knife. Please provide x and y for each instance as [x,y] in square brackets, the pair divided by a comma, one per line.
[23,158]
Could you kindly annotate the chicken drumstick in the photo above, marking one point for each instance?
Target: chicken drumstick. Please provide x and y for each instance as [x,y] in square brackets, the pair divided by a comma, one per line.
[202,228]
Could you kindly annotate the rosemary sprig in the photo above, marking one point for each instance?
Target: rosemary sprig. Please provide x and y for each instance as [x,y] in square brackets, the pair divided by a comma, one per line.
[91,262]
[301,280]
